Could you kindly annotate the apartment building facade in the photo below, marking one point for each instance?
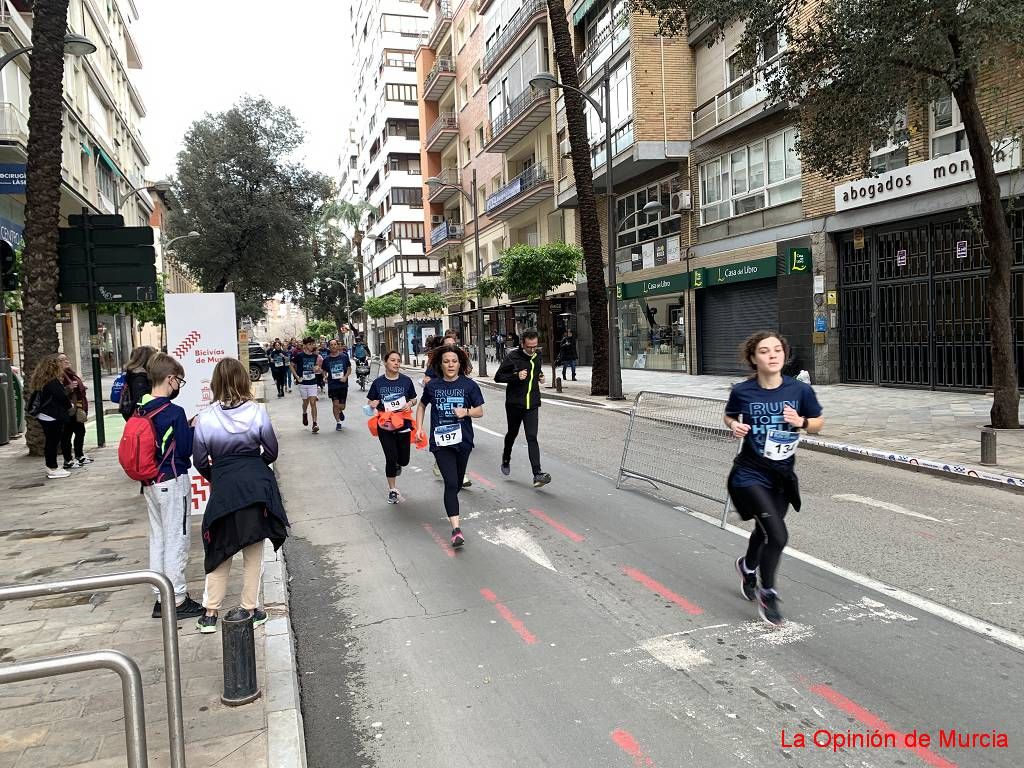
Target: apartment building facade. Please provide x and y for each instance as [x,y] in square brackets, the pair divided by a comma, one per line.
[104,156]
[384,164]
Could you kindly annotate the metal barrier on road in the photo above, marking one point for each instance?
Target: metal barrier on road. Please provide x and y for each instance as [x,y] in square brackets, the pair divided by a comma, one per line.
[131,689]
[681,442]
[169,623]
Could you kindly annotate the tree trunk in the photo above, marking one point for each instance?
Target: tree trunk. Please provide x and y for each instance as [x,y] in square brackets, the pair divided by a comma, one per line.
[590,227]
[42,193]
[1005,413]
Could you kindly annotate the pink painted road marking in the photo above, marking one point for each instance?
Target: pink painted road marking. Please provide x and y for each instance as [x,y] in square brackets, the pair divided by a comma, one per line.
[556,525]
[482,480]
[528,637]
[440,541]
[625,741]
[871,720]
[661,589]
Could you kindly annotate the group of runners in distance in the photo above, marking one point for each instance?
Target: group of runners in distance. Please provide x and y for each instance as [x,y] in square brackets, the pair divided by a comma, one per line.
[767,411]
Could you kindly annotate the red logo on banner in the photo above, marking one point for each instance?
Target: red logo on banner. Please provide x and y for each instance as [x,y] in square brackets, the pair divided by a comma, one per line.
[187,343]
[200,490]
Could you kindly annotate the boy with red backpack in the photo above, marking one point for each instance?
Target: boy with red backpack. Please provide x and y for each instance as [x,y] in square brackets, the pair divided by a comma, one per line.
[164,474]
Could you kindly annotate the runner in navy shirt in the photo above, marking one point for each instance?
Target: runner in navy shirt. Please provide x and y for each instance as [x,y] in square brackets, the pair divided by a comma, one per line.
[767,411]
[306,367]
[455,401]
[337,369]
[393,393]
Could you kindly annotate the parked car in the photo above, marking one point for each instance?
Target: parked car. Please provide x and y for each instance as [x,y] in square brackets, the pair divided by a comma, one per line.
[259,362]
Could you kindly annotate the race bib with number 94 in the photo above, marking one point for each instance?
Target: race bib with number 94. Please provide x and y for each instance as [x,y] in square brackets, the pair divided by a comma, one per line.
[780,444]
[396,403]
[448,435]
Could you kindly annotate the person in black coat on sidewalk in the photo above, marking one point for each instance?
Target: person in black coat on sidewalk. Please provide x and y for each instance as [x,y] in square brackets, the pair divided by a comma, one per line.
[567,353]
[51,405]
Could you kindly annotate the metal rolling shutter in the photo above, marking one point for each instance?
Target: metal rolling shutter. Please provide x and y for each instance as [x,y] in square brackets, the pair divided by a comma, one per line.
[728,314]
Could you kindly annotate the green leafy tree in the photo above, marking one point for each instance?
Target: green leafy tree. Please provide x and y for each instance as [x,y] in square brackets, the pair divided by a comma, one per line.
[383,307]
[318,328]
[42,192]
[534,272]
[257,210]
[428,303]
[859,64]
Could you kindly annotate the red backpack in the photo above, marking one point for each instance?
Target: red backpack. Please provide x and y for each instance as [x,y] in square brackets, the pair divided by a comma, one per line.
[138,450]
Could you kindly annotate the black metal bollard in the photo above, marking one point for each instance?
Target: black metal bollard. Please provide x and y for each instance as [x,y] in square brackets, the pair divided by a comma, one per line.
[988,446]
[240,685]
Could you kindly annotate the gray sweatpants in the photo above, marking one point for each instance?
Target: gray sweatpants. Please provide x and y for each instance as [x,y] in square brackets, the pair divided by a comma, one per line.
[170,530]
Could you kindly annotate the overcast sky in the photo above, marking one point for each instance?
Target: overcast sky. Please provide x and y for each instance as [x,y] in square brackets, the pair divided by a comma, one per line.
[201,56]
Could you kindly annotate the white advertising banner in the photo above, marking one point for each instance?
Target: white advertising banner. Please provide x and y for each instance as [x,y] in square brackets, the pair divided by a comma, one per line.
[201,331]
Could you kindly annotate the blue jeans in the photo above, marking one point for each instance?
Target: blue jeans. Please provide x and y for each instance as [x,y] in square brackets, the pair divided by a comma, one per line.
[569,364]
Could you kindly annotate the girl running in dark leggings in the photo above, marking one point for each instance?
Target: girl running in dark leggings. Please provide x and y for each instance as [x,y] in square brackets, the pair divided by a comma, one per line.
[456,401]
[392,395]
[767,411]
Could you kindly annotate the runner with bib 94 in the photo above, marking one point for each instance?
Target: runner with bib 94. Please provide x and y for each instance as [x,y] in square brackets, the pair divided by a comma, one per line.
[767,411]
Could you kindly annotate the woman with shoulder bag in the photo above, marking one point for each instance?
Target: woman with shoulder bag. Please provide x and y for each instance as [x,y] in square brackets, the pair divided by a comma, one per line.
[50,404]
[233,447]
[74,429]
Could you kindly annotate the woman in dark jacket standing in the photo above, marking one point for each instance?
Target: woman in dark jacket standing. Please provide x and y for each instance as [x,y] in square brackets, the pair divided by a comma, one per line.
[136,382]
[233,447]
[74,428]
[53,409]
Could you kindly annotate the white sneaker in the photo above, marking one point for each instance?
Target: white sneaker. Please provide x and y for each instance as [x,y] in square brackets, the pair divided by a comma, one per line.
[54,474]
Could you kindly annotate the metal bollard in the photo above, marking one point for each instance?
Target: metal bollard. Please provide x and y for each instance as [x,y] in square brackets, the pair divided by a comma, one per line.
[988,446]
[239,642]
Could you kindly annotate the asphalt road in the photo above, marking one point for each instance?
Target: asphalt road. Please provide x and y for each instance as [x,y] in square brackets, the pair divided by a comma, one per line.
[585,626]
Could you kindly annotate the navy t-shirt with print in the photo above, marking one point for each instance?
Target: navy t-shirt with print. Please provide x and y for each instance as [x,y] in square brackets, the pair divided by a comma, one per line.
[304,364]
[278,358]
[762,410]
[384,388]
[445,397]
[335,368]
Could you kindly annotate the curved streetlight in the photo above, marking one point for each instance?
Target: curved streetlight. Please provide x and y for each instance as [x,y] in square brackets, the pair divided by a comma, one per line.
[160,186]
[191,234]
[74,45]
[435,183]
[545,81]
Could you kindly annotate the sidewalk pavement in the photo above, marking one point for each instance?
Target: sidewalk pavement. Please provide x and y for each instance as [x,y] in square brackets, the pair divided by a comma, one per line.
[92,523]
[915,428]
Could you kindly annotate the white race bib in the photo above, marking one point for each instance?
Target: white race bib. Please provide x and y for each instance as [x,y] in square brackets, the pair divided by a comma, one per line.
[448,435]
[396,403]
[780,444]
[338,376]
[308,376]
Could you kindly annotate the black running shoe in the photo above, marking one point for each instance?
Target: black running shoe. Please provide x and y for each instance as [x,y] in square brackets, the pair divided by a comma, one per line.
[393,496]
[541,479]
[259,617]
[748,582]
[768,607]
[467,483]
[457,538]
[190,609]
[207,625]
[315,428]
[506,468]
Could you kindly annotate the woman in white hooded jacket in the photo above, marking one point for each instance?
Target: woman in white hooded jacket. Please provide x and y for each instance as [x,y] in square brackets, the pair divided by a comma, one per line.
[233,447]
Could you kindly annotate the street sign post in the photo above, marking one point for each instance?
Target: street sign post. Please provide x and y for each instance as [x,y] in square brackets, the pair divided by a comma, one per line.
[102,260]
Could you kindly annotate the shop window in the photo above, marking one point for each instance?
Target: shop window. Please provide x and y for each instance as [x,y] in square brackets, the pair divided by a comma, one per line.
[761,174]
[947,127]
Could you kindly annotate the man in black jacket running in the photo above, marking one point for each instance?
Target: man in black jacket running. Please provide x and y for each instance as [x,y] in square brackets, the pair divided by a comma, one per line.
[521,372]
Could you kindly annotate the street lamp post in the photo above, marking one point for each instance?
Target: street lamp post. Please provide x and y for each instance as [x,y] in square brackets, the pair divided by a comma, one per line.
[435,183]
[545,81]
[160,186]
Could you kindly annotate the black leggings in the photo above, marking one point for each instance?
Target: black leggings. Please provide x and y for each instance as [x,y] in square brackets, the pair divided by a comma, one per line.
[73,429]
[53,431]
[529,420]
[452,462]
[280,376]
[768,507]
[396,447]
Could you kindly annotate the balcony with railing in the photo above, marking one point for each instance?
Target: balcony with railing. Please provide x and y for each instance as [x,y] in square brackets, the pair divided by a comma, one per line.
[738,99]
[441,25]
[532,186]
[447,189]
[609,41]
[532,12]
[527,110]
[441,75]
[445,233]
[14,31]
[444,130]
[13,125]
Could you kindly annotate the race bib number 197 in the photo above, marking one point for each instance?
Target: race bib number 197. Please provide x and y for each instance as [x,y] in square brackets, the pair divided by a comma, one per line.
[448,435]
[780,444]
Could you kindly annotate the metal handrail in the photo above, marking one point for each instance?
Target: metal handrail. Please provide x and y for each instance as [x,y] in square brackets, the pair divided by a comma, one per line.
[169,626]
[516,109]
[748,91]
[597,45]
[524,182]
[443,64]
[446,121]
[131,689]
[444,16]
[529,9]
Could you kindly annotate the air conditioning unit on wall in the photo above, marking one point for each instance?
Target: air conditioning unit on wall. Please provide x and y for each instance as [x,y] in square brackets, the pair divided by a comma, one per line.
[436,219]
[680,201]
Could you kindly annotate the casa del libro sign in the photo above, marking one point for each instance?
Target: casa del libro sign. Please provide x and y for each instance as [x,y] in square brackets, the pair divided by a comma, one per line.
[939,172]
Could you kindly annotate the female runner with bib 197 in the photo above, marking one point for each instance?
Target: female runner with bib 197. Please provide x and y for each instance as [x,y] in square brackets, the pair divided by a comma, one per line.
[455,401]
[767,411]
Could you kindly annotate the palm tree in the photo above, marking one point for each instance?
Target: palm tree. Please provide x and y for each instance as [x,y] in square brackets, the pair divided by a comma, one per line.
[590,227]
[42,193]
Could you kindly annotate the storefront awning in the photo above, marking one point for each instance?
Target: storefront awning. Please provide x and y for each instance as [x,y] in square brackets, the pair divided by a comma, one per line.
[85,149]
[580,12]
[106,160]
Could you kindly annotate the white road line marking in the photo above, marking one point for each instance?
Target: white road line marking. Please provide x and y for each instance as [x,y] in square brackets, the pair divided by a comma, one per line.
[674,653]
[971,624]
[563,404]
[520,541]
[868,501]
[867,608]
[488,431]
